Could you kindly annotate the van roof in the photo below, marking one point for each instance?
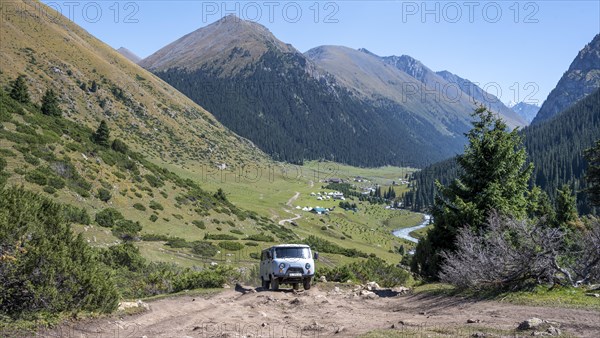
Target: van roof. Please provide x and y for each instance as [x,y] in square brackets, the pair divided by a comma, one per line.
[289,246]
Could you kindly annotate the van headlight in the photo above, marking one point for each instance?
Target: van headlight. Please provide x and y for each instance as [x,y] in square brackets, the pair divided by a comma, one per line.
[307,266]
[281,266]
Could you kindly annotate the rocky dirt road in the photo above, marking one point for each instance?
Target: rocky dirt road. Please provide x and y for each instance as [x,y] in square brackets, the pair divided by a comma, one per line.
[327,311]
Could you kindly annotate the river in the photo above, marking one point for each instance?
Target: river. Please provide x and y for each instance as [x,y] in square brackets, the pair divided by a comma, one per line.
[405,232]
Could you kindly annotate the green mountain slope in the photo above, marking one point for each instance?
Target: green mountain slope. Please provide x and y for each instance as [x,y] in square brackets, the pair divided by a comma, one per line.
[154,118]
[274,95]
[156,126]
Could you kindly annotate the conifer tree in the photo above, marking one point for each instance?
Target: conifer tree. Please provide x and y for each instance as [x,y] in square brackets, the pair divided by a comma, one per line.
[18,90]
[566,208]
[50,104]
[592,175]
[102,135]
[94,86]
[494,177]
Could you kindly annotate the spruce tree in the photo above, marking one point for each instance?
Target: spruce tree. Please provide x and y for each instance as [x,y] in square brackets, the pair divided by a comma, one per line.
[50,104]
[494,177]
[102,135]
[18,90]
[592,175]
[566,209]
[94,86]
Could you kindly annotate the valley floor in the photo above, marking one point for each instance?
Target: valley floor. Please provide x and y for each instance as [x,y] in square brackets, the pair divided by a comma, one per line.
[328,311]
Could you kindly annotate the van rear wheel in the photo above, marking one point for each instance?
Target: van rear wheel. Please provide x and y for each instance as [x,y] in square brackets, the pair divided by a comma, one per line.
[274,284]
[306,283]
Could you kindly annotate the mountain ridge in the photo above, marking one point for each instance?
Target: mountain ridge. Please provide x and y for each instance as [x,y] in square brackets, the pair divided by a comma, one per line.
[200,47]
[129,54]
[276,89]
[581,79]
[156,118]
[292,108]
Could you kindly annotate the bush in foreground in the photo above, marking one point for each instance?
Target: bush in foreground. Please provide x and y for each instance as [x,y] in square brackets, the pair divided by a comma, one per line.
[44,268]
[514,254]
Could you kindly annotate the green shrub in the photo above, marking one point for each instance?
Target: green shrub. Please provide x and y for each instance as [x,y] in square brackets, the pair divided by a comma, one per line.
[119,175]
[177,242]
[108,217]
[127,230]
[232,246]
[254,255]
[124,255]
[103,195]
[199,224]
[36,177]
[220,237]
[236,231]
[31,159]
[153,218]
[154,237]
[281,231]
[205,249]
[372,269]
[56,182]
[119,146]
[49,190]
[7,153]
[156,206]
[260,238]
[251,244]
[76,215]
[198,279]
[154,181]
[139,206]
[45,265]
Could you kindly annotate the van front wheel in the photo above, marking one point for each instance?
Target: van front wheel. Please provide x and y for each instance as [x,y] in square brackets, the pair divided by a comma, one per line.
[306,283]
[275,284]
[265,284]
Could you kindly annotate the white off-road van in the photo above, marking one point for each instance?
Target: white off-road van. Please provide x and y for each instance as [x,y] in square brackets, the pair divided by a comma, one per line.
[287,264]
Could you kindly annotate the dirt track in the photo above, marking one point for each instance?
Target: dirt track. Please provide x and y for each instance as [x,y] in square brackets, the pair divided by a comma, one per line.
[319,313]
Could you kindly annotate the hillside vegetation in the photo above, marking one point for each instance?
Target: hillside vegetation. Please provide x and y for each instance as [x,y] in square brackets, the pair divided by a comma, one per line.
[94,82]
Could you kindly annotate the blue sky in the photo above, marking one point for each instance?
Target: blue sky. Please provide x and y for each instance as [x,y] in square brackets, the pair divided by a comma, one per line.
[517,50]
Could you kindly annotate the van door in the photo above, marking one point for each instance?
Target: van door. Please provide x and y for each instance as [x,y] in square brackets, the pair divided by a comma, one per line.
[264,265]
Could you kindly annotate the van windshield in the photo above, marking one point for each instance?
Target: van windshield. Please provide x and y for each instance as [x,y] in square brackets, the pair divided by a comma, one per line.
[292,253]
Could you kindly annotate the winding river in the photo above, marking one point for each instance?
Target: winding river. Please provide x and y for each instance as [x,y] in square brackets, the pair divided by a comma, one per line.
[405,232]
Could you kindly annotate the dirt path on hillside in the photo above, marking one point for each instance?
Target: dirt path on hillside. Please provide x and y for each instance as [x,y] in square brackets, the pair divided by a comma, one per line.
[289,204]
[319,313]
[293,199]
[290,220]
